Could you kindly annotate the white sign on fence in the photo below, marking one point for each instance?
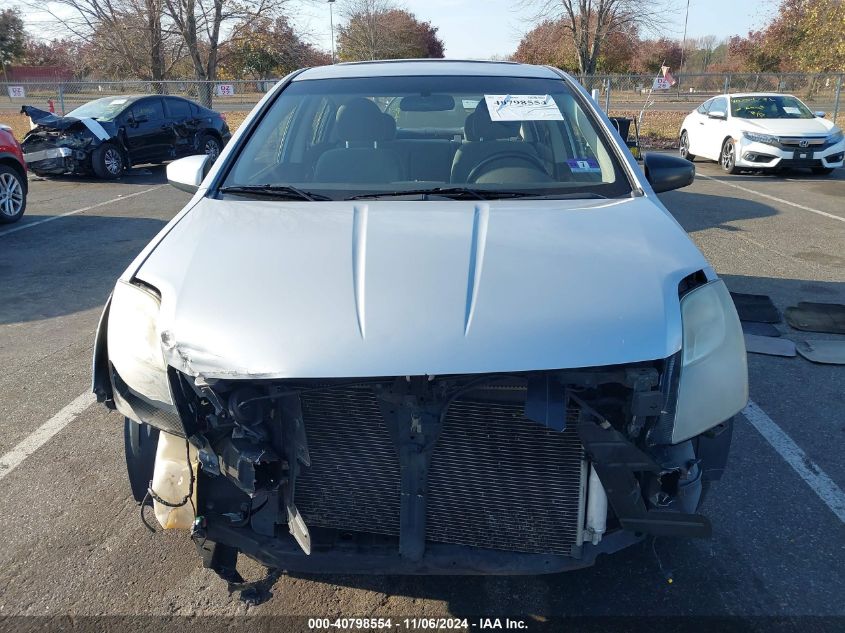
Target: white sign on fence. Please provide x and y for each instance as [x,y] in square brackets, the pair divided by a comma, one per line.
[225,90]
[660,83]
[17,92]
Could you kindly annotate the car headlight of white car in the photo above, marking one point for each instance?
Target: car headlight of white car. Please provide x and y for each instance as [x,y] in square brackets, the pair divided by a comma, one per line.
[768,139]
[713,383]
[134,343]
[835,137]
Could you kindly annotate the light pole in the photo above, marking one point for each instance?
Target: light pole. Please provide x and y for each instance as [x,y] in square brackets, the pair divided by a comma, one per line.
[684,41]
[331,25]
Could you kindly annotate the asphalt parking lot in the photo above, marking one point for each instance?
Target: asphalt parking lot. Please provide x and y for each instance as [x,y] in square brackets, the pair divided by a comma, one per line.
[72,541]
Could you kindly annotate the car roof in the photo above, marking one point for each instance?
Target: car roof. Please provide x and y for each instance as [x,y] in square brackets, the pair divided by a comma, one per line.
[758,94]
[426,67]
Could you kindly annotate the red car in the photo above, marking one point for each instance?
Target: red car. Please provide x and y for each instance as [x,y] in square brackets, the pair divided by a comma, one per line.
[13,183]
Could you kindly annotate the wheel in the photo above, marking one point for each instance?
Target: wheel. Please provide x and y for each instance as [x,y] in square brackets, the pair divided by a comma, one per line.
[684,147]
[210,145]
[12,195]
[108,162]
[822,171]
[140,442]
[728,159]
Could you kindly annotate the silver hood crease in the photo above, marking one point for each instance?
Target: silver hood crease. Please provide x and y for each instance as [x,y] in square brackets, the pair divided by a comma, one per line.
[385,288]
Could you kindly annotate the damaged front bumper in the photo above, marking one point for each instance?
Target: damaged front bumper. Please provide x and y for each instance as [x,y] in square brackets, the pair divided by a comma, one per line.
[434,475]
[47,154]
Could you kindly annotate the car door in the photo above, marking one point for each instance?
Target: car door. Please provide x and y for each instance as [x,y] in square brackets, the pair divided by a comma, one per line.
[696,129]
[715,128]
[185,125]
[149,135]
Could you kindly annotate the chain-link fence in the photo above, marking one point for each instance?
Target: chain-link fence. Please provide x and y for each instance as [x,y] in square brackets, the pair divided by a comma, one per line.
[65,96]
[618,92]
[819,91]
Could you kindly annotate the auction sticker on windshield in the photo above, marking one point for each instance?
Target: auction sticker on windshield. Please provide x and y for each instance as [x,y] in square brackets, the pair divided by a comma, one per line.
[522,108]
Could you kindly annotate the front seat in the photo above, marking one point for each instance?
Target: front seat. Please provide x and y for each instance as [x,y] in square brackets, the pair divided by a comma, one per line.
[486,138]
[361,127]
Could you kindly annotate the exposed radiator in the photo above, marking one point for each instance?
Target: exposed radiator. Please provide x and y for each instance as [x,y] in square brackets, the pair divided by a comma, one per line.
[501,481]
[497,480]
[353,481]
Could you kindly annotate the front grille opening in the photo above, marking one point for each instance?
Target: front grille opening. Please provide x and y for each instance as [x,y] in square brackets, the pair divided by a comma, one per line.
[496,481]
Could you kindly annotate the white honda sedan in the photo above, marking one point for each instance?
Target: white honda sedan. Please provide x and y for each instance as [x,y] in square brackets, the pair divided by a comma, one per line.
[762,132]
[423,317]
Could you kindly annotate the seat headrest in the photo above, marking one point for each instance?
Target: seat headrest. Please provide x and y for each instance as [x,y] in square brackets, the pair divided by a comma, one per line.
[361,120]
[479,127]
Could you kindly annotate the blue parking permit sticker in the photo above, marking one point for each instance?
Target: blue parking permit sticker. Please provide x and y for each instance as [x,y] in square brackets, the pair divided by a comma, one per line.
[584,166]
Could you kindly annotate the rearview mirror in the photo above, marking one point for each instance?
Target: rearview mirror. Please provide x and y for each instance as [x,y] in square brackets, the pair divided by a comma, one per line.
[427,103]
[187,174]
[820,114]
[665,173]
[718,115]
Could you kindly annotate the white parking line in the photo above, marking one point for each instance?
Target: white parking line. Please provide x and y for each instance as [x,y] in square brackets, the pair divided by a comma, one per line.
[818,480]
[23,227]
[43,433]
[775,198]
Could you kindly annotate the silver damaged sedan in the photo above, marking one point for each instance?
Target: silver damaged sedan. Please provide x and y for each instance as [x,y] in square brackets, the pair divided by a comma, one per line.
[423,317]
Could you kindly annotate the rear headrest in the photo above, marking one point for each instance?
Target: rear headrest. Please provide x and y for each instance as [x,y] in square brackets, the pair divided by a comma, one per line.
[361,120]
[479,127]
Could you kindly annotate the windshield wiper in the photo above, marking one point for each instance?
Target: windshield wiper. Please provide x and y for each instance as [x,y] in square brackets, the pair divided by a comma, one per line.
[449,192]
[284,192]
[480,194]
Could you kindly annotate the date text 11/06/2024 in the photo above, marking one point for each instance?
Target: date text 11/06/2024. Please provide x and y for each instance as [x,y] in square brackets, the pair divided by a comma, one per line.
[416,624]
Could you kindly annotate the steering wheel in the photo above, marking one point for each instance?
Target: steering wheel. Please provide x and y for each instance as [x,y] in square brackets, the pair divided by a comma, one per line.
[476,171]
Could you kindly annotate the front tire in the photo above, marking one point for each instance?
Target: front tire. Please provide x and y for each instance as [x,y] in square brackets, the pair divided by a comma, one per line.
[822,171]
[12,195]
[684,147]
[210,145]
[728,157]
[140,442]
[108,162]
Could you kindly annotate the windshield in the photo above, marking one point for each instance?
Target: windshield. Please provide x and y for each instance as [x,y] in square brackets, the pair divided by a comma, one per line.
[106,108]
[769,107]
[341,138]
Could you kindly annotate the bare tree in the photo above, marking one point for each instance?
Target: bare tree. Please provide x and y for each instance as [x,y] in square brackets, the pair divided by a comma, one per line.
[201,22]
[126,35]
[707,44]
[589,22]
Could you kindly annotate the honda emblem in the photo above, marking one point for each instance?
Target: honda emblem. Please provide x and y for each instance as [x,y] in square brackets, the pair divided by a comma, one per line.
[803,143]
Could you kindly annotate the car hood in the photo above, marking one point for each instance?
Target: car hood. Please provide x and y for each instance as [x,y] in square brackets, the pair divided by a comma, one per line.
[266,289]
[70,129]
[786,127]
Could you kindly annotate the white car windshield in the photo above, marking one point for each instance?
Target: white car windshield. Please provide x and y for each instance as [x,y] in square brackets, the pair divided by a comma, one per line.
[490,137]
[769,107]
[106,108]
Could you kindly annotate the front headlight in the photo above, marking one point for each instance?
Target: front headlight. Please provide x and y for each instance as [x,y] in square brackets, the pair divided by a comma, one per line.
[761,138]
[713,384]
[835,137]
[134,342]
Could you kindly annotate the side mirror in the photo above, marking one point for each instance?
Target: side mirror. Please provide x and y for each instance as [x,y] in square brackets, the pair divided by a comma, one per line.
[665,172]
[820,114]
[187,174]
[718,115]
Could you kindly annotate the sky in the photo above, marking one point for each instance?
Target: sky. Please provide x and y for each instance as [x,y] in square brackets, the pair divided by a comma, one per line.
[479,29]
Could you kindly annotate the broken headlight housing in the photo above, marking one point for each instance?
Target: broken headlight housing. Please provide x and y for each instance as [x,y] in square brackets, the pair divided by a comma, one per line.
[134,341]
[713,384]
